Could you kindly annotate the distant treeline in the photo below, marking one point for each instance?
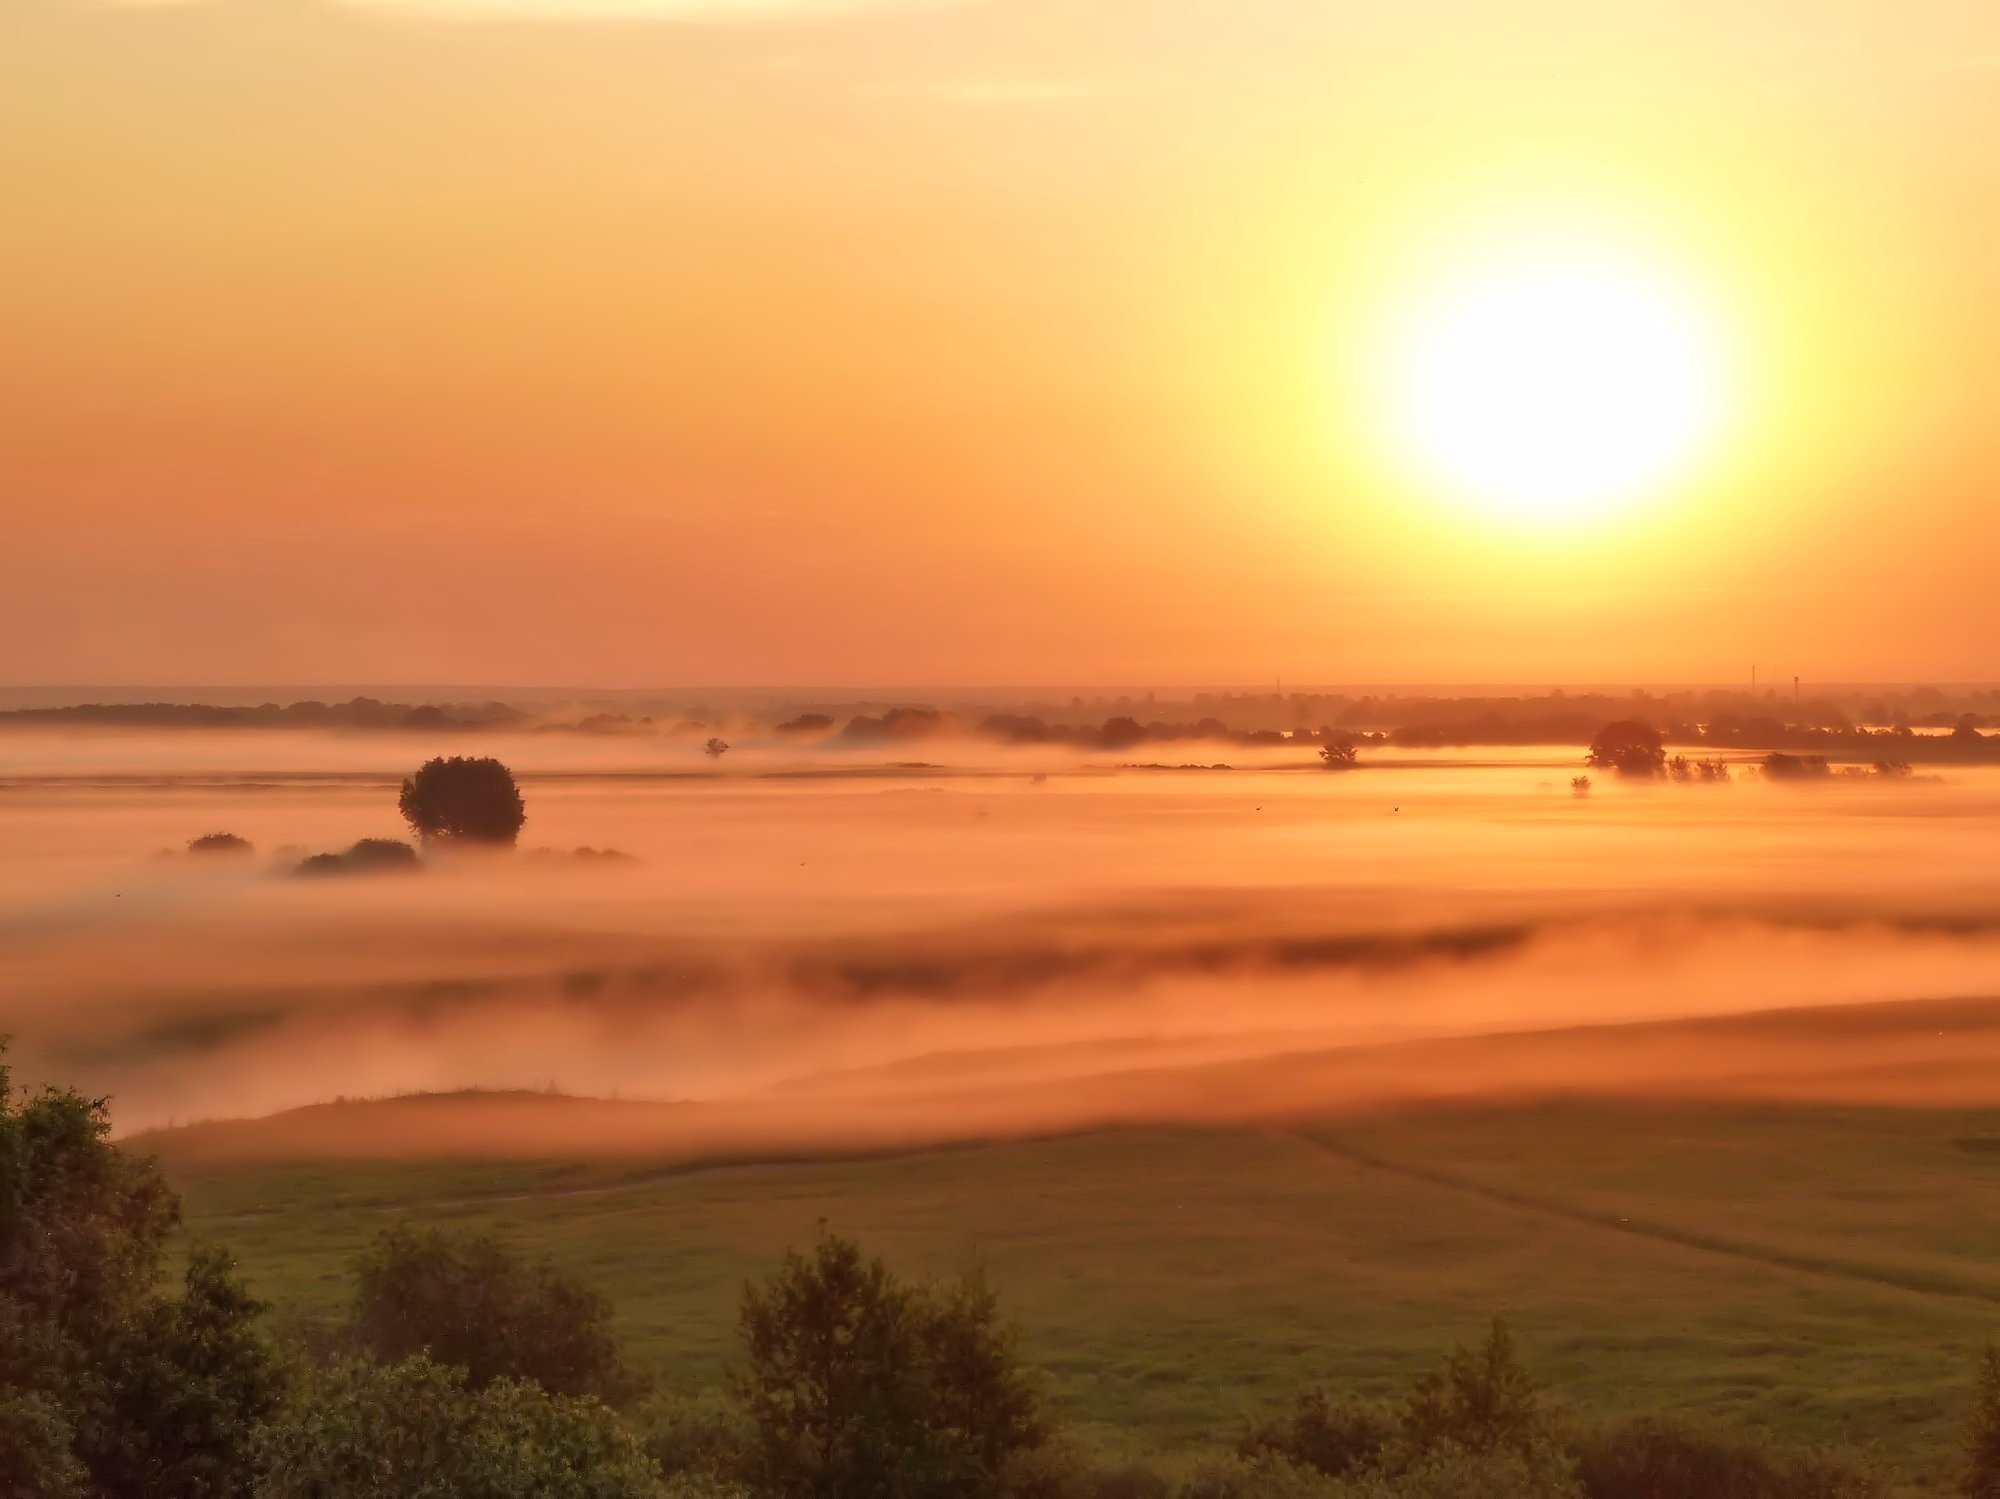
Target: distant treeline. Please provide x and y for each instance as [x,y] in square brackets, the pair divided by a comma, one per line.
[1912,725]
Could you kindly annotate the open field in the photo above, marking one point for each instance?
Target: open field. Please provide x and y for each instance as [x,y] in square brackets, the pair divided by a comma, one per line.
[1824,1271]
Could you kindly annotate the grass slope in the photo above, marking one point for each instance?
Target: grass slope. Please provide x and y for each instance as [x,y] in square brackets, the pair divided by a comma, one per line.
[1820,1271]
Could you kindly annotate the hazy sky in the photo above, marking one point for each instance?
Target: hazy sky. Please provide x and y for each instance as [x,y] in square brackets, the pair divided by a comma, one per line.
[671,341]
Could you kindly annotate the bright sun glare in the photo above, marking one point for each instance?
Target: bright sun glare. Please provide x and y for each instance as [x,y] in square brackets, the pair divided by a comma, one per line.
[1553,387]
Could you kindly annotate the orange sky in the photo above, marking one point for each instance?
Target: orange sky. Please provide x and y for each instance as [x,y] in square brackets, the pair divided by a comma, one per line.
[710,341]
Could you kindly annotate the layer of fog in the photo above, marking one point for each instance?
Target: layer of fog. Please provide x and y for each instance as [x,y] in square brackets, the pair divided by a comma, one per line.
[812,950]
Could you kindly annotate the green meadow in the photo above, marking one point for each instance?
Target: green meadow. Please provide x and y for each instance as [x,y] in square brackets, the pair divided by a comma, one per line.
[1823,1273]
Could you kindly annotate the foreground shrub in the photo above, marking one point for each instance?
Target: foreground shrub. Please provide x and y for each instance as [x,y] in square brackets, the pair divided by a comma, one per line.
[1482,1400]
[1453,1472]
[100,1374]
[858,1384]
[1665,1457]
[1329,1435]
[705,1437]
[1263,1478]
[1058,1470]
[358,1429]
[1981,1479]
[469,1301]
[36,1460]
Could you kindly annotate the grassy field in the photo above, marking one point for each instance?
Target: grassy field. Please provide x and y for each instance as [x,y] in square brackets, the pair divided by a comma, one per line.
[1822,1272]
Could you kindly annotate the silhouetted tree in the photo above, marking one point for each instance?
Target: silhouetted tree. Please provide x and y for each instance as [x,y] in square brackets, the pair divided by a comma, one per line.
[715,749]
[1120,733]
[1783,767]
[1339,754]
[463,800]
[859,1385]
[1629,747]
[1579,785]
[806,723]
[144,1394]
[469,1301]
[219,843]
[368,856]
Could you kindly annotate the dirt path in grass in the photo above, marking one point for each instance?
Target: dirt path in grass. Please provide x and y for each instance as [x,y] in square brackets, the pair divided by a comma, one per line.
[1900,1278]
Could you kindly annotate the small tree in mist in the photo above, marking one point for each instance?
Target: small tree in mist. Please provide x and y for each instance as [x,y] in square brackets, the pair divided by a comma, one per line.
[1629,747]
[469,1301]
[715,749]
[463,800]
[1339,753]
[1579,785]
[219,843]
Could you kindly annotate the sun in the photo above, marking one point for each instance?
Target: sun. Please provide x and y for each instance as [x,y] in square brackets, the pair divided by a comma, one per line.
[1552,386]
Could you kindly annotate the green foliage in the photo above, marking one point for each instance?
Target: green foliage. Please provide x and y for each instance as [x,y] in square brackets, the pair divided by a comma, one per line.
[194,1381]
[1660,1457]
[1262,1478]
[36,1456]
[1059,1470]
[99,1373]
[1981,1479]
[859,1385]
[1328,1434]
[358,1429]
[1482,1400]
[1450,1471]
[463,800]
[705,1437]
[469,1301]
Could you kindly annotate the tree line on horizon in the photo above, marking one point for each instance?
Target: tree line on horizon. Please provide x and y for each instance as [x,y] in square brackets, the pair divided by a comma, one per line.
[1918,724]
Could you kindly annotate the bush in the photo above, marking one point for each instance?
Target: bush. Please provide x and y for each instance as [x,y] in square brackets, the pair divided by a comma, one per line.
[1331,1436]
[1660,1457]
[463,800]
[1266,1478]
[468,1301]
[1481,1400]
[859,1384]
[1059,1471]
[1629,747]
[1981,1479]
[36,1460]
[219,843]
[369,856]
[702,1438]
[358,1429]
[1779,766]
[1454,1472]
[99,1374]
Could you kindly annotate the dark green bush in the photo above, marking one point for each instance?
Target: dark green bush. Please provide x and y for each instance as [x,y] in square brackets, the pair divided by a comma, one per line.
[1671,1457]
[858,1384]
[1332,1435]
[469,1301]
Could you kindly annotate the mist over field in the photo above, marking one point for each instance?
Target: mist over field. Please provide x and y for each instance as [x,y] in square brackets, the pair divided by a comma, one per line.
[808,947]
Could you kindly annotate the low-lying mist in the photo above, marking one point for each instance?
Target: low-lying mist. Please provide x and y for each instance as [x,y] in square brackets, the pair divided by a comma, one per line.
[817,950]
